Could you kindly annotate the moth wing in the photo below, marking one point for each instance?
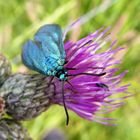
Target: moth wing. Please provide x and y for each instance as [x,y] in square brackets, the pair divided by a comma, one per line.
[33,57]
[49,38]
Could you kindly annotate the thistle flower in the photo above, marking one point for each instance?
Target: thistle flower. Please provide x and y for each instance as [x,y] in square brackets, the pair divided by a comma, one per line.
[89,91]
[92,82]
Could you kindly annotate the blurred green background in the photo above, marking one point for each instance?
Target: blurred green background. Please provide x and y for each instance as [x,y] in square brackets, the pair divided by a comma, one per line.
[19,19]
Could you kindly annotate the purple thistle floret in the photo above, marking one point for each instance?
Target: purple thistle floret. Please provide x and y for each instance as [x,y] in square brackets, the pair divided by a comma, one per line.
[90,95]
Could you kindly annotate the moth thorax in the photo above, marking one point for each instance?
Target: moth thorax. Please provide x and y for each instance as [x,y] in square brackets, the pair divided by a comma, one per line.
[62,74]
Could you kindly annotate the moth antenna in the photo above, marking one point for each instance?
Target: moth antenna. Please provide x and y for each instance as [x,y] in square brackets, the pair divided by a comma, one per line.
[90,74]
[65,108]
[87,67]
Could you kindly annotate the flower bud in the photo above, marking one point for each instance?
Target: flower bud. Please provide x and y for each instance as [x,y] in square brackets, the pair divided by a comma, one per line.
[26,96]
[11,130]
[5,69]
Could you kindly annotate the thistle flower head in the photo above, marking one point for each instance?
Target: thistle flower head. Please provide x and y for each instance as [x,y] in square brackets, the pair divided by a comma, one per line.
[92,81]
